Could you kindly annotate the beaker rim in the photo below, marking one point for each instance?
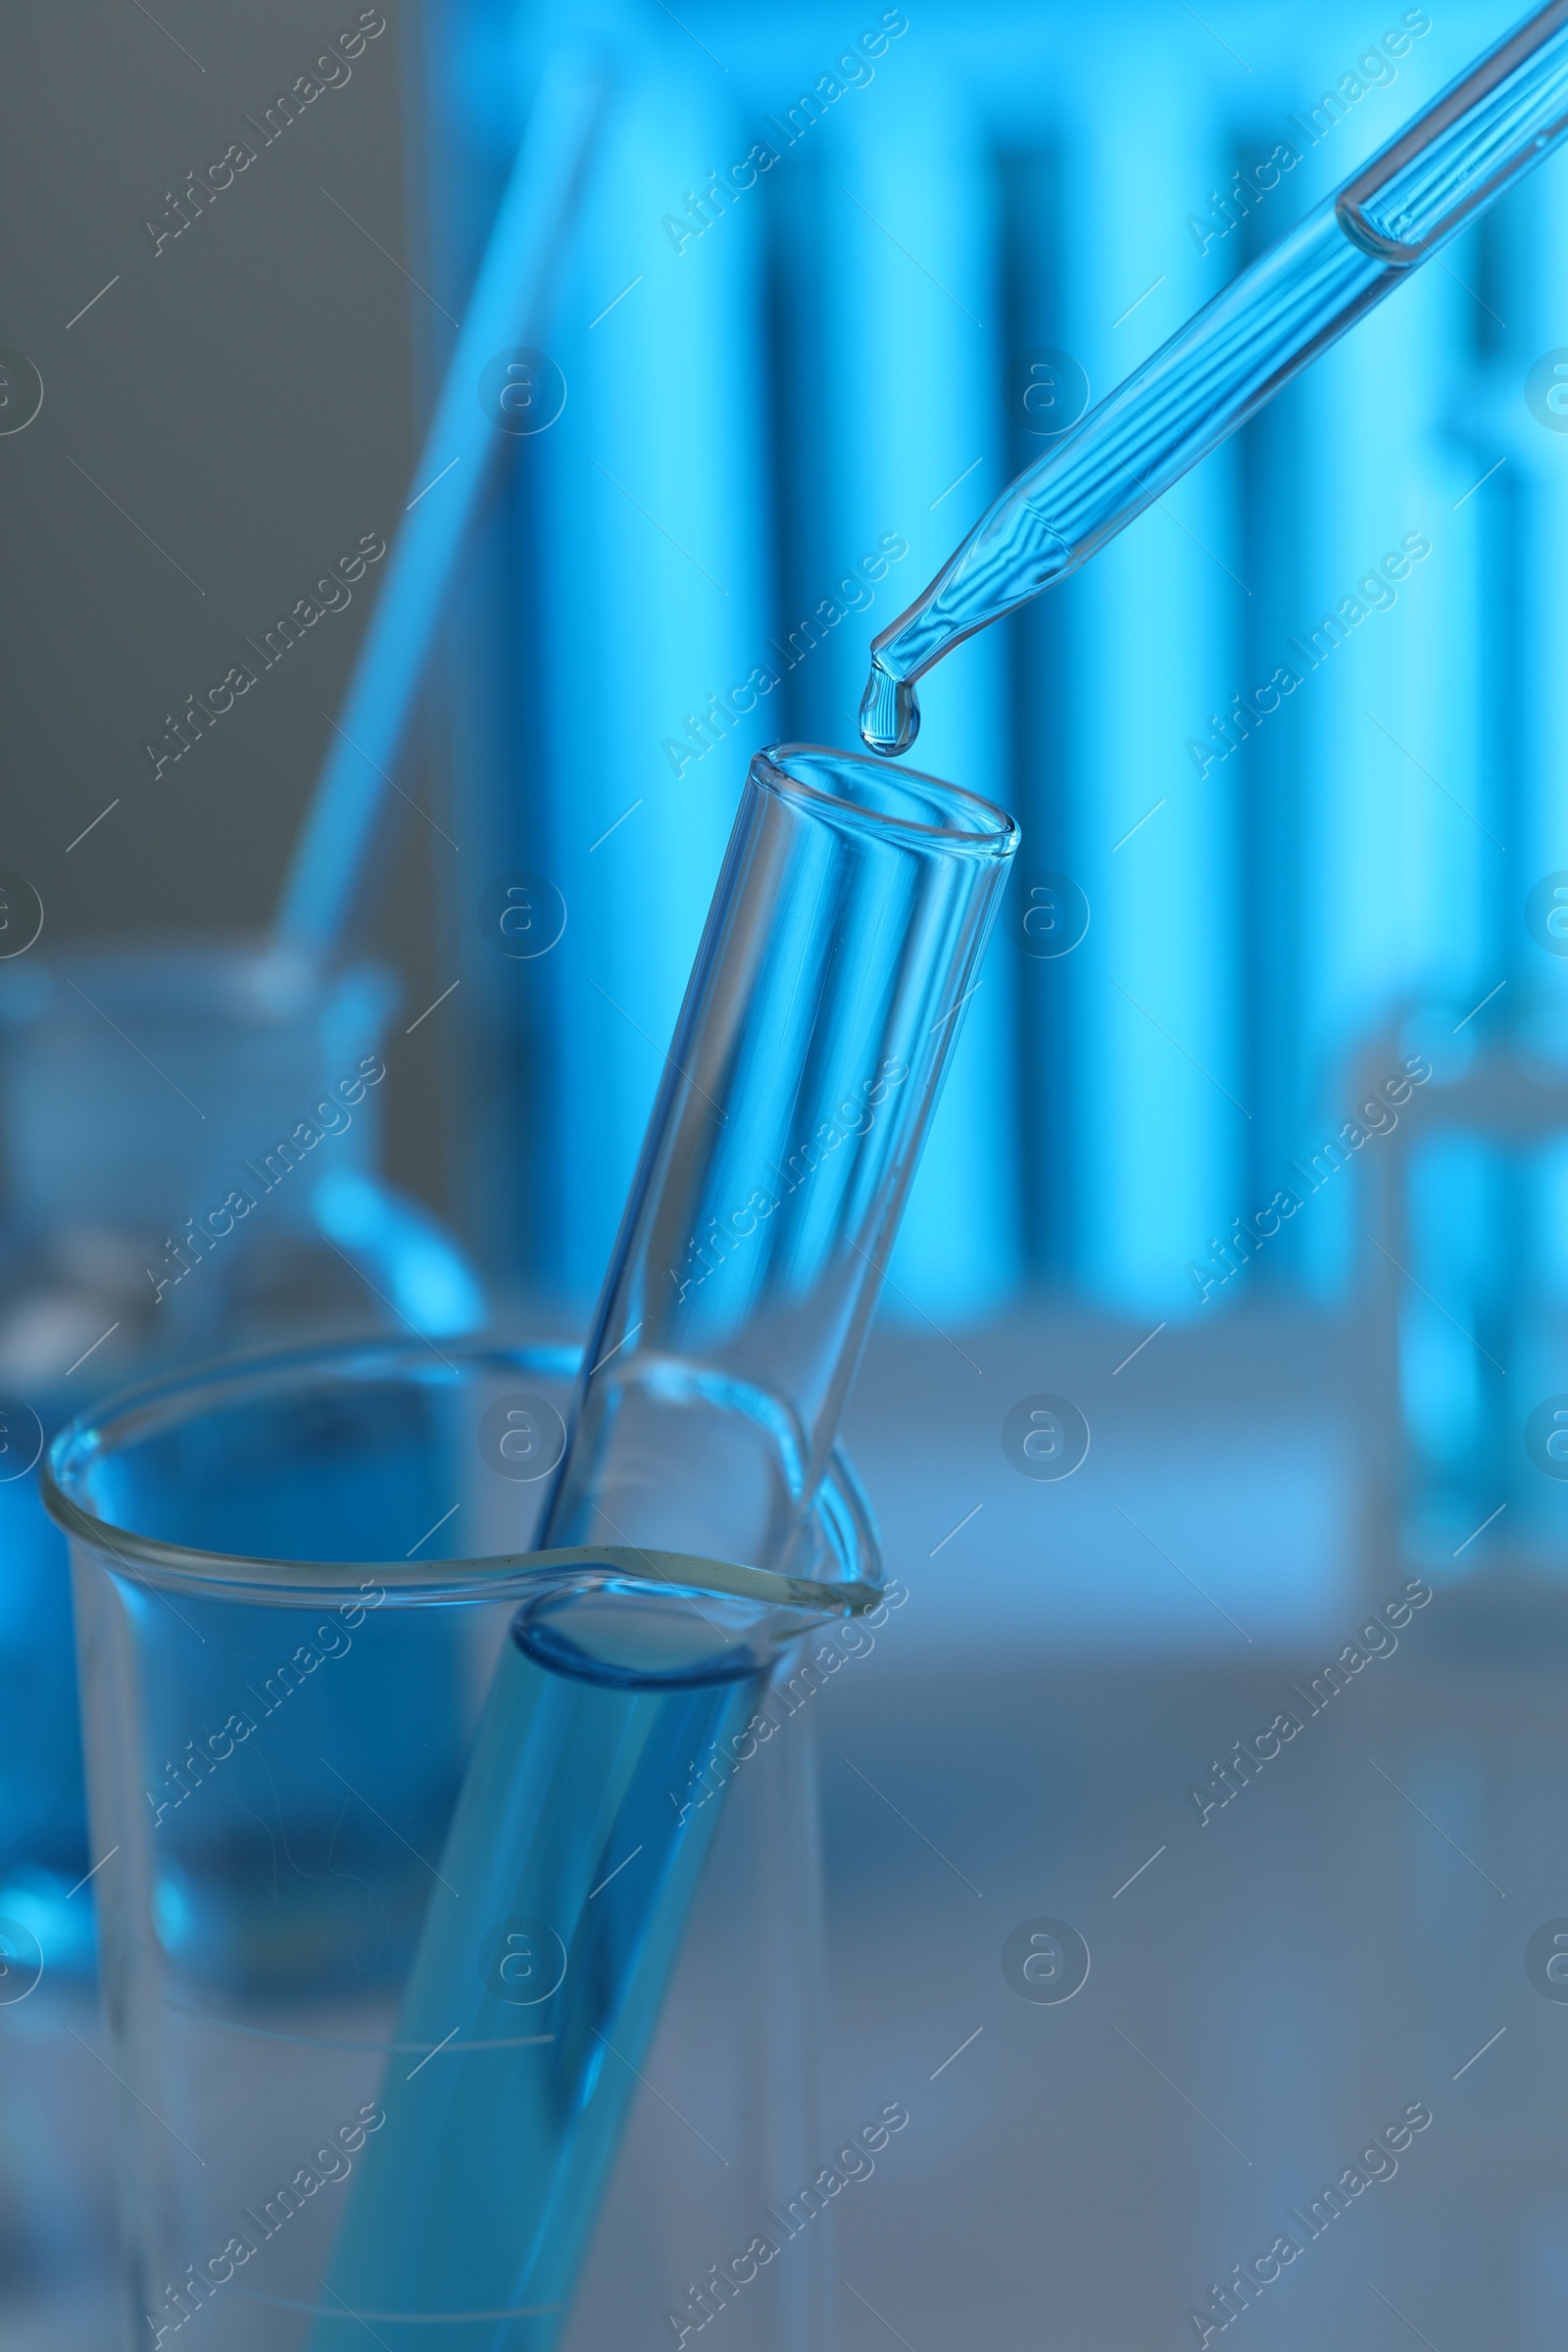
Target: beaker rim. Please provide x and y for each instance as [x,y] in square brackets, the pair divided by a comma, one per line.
[975,826]
[193,980]
[838,1518]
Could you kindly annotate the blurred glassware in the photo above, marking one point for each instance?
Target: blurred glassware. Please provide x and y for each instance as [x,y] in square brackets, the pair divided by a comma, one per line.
[190,1136]
[1468,1289]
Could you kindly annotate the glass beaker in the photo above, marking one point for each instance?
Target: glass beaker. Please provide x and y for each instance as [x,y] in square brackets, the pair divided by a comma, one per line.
[295,1578]
[1468,1291]
[190,1139]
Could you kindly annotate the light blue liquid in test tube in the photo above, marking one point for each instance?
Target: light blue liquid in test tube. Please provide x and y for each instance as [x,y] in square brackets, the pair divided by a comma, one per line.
[565,1881]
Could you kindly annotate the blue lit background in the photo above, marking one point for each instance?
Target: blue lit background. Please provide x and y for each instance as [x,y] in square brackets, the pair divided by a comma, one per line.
[830,362]
[831,368]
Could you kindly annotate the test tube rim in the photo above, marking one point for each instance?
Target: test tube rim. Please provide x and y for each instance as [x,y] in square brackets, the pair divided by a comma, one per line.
[521,1576]
[997,837]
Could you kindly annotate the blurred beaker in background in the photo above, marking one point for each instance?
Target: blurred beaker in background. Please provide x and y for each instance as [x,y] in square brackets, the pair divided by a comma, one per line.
[190,1136]
[1467,1295]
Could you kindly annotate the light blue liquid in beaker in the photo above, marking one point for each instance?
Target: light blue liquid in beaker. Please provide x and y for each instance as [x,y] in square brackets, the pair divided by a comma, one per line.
[191,1140]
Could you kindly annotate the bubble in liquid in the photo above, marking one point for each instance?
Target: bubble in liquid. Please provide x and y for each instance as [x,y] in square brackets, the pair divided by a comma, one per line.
[890,716]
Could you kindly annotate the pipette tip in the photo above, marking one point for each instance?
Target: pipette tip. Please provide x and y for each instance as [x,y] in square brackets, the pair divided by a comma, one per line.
[890,716]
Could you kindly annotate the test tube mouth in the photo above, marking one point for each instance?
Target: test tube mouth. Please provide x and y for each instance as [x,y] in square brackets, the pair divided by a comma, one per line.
[880,798]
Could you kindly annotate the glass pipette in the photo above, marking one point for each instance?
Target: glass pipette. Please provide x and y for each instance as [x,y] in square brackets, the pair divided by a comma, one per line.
[1500,117]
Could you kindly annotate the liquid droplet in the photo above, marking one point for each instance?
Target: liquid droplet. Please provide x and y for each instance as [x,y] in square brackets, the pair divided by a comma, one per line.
[890,716]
